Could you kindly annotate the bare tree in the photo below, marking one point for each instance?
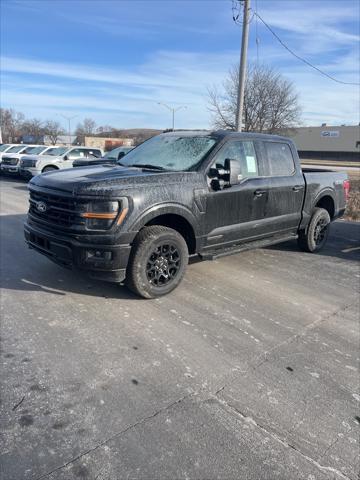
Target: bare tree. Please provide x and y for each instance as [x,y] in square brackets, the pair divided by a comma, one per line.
[35,128]
[270,104]
[85,129]
[11,123]
[53,130]
[105,129]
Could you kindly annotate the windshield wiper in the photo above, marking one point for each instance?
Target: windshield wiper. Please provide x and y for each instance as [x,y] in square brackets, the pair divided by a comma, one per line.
[147,165]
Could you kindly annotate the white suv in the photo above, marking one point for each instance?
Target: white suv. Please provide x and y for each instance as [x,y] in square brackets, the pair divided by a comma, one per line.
[56,159]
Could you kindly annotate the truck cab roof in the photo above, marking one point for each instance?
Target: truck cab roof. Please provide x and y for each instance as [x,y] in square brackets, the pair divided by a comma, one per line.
[221,134]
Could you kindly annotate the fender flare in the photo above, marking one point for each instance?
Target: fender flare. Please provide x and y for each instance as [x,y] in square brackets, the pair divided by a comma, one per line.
[164,209]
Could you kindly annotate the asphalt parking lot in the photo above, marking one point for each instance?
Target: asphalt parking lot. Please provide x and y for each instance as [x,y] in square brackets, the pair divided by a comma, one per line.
[249,370]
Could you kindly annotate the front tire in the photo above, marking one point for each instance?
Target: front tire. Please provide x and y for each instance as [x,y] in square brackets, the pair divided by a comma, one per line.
[157,263]
[314,238]
[49,169]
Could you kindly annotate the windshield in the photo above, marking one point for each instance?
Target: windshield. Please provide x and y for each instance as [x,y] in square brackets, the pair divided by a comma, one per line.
[35,150]
[4,147]
[57,151]
[170,152]
[113,154]
[16,149]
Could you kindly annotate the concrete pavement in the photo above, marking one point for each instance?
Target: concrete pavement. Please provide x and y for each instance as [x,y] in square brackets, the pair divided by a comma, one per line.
[249,370]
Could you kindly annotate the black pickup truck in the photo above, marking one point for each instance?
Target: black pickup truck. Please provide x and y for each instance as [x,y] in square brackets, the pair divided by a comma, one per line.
[181,194]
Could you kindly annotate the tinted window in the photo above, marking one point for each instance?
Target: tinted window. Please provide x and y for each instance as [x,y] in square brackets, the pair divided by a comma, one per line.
[4,147]
[280,158]
[34,150]
[244,153]
[56,151]
[16,149]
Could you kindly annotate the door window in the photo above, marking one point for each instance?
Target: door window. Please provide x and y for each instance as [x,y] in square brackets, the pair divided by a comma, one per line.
[280,159]
[244,153]
[76,153]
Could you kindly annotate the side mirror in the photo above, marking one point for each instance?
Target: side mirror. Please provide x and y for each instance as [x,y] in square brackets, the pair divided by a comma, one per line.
[66,157]
[233,168]
[121,154]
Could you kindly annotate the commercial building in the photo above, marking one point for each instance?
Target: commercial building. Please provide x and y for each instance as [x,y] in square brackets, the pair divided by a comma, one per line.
[340,143]
[108,143]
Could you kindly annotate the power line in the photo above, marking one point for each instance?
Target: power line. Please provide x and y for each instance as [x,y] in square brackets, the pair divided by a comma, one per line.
[300,58]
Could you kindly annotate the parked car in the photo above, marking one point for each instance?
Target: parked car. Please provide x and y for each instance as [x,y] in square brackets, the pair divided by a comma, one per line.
[12,161]
[62,159]
[179,194]
[110,158]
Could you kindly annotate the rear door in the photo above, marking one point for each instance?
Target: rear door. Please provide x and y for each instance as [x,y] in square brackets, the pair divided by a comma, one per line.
[286,187]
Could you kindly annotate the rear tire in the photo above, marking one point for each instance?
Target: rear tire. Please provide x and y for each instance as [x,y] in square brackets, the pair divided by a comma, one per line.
[157,263]
[314,238]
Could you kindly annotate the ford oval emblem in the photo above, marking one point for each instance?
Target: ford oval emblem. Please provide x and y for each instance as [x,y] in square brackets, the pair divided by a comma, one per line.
[41,207]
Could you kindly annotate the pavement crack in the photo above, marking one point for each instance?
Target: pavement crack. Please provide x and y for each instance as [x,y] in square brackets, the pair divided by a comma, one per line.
[283,442]
[18,404]
[265,355]
[334,442]
[116,435]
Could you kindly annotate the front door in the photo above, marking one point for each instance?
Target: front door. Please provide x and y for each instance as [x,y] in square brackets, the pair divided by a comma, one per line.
[236,214]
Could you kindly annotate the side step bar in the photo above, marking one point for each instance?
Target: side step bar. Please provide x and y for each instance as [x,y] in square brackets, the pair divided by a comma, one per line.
[245,246]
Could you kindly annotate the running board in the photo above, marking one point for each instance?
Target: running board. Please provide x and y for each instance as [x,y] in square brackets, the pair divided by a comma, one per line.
[246,246]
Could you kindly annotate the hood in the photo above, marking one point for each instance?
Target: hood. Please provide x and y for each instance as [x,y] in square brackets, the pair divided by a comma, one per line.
[106,180]
[27,156]
[12,155]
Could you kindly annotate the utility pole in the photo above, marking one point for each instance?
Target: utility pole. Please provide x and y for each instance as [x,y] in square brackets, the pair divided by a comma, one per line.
[69,125]
[242,69]
[172,110]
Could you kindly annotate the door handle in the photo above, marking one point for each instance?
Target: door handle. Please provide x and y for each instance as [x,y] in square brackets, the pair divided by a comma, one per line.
[259,193]
[297,188]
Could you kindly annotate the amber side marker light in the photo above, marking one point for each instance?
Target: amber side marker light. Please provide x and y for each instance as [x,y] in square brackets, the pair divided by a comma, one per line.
[122,216]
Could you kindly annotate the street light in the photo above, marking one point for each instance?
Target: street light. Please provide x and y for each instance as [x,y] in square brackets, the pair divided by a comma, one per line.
[172,110]
[69,120]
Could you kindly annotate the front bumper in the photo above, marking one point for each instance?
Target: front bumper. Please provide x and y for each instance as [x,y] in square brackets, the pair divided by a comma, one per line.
[28,172]
[103,262]
[13,169]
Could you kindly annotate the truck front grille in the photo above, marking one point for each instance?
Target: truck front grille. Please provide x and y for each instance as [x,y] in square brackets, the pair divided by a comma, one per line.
[10,161]
[56,210]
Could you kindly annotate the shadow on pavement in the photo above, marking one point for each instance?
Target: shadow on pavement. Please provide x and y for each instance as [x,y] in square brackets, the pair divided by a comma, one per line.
[343,242]
[27,270]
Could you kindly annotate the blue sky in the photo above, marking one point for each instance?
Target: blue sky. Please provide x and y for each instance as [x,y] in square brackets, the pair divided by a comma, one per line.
[114,60]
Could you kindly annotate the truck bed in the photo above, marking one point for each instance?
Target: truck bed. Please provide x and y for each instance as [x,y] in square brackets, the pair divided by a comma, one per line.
[319,182]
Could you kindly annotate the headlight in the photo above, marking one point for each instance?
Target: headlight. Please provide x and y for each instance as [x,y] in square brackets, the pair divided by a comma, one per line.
[102,215]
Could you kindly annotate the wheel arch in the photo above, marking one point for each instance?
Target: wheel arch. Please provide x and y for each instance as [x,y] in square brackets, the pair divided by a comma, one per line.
[176,217]
[53,167]
[327,202]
